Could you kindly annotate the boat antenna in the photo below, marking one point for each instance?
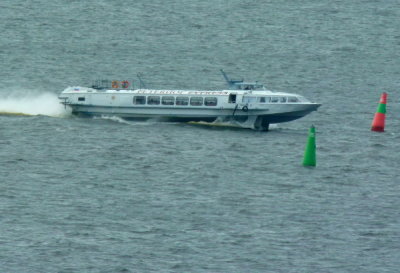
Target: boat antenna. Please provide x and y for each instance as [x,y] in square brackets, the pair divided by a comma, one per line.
[231,83]
[225,76]
[141,83]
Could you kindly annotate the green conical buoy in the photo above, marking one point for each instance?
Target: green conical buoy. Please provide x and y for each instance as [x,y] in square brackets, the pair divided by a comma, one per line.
[310,158]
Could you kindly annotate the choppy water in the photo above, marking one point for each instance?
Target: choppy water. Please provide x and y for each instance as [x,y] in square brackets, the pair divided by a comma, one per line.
[107,195]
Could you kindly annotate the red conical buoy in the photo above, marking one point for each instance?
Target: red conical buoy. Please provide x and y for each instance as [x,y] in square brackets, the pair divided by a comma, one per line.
[378,124]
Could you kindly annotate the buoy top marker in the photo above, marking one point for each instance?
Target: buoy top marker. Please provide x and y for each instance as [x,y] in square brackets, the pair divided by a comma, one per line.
[383,98]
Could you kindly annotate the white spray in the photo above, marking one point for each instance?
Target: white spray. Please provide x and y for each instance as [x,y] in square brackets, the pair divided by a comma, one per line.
[32,104]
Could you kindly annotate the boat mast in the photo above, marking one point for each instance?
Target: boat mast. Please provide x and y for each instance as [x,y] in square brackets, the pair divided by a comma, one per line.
[141,83]
[232,84]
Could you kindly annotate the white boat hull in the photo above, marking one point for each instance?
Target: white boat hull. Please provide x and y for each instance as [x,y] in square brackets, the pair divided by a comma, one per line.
[90,102]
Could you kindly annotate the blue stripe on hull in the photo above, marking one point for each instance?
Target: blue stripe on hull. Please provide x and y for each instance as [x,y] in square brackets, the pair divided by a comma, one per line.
[285,117]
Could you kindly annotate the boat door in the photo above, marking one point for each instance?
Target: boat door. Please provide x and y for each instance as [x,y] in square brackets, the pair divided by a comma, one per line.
[232,98]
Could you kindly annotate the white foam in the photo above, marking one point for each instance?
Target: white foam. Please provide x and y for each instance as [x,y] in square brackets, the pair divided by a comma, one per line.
[147,122]
[112,118]
[33,104]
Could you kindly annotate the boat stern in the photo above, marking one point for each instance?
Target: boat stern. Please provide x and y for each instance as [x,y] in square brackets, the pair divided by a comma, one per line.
[73,95]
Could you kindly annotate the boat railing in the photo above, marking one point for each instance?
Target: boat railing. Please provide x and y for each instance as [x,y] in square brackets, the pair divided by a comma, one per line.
[105,84]
[112,84]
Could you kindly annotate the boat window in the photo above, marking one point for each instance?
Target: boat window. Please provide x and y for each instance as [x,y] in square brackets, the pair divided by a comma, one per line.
[168,100]
[293,99]
[182,100]
[264,99]
[210,101]
[282,99]
[139,100]
[153,100]
[81,99]
[274,99]
[196,101]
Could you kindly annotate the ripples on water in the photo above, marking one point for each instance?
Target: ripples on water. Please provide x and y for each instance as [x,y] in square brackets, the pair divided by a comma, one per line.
[108,195]
[176,197]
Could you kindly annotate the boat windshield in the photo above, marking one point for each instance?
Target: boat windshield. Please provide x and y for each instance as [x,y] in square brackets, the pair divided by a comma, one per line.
[249,86]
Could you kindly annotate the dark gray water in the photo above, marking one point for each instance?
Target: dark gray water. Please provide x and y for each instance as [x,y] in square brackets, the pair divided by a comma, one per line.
[106,195]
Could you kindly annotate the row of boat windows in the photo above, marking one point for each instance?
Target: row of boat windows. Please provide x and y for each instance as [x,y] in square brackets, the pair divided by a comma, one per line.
[199,101]
[170,100]
[270,99]
[208,101]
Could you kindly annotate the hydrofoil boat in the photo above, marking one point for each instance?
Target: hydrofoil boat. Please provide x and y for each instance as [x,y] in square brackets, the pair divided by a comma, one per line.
[246,104]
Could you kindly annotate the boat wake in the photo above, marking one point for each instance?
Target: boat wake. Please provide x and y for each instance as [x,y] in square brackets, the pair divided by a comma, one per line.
[217,123]
[32,104]
[117,119]
[112,118]
[220,122]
